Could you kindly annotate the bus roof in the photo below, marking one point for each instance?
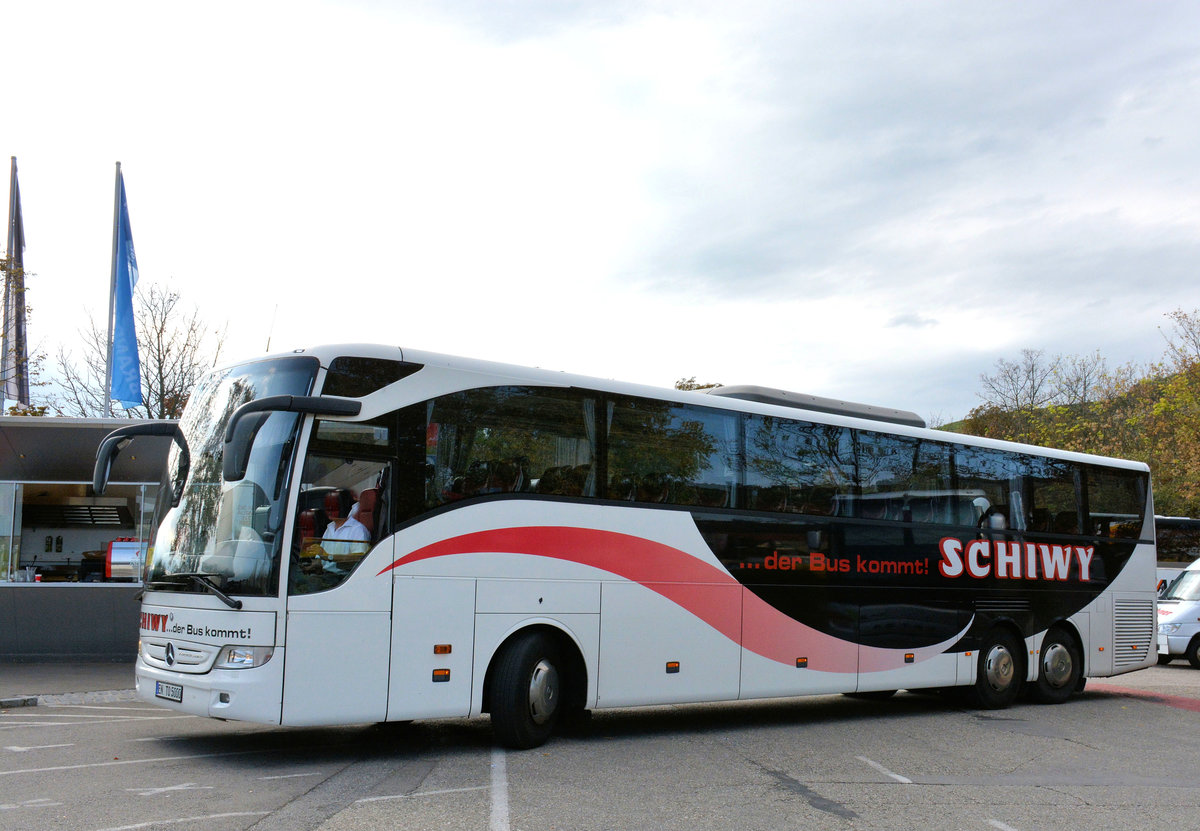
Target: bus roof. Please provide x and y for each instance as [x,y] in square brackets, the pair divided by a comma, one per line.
[499,374]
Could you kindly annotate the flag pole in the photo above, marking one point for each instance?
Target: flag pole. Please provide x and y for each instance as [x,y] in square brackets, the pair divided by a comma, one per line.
[4,344]
[112,295]
[13,350]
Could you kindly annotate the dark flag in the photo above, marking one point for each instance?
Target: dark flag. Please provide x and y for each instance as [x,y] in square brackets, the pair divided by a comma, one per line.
[14,361]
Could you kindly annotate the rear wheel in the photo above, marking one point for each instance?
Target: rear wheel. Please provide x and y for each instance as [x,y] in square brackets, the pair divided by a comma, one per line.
[1059,666]
[526,691]
[998,680]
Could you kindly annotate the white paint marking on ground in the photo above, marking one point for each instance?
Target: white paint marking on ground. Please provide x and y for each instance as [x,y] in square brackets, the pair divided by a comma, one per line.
[182,820]
[995,823]
[18,749]
[11,725]
[31,803]
[287,776]
[901,779]
[421,793]
[187,786]
[105,707]
[121,716]
[123,762]
[499,820]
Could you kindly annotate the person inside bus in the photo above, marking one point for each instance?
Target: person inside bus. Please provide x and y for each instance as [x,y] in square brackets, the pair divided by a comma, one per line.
[344,534]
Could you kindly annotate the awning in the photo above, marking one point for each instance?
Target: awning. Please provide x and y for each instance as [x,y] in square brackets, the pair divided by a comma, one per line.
[41,449]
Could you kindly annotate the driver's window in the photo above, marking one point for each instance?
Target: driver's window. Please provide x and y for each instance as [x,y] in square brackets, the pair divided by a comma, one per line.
[341,511]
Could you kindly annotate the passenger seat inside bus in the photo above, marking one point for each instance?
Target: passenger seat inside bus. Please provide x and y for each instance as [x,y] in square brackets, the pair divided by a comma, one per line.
[368,505]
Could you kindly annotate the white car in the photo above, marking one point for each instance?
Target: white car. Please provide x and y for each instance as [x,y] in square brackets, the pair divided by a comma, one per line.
[1179,619]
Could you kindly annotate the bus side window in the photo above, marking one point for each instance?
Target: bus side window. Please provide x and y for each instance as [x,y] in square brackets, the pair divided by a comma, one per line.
[342,513]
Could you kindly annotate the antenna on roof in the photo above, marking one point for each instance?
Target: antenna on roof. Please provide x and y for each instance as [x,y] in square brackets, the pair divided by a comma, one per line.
[271,329]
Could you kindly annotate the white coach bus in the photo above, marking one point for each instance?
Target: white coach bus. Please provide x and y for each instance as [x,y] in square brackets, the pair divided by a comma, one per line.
[363,533]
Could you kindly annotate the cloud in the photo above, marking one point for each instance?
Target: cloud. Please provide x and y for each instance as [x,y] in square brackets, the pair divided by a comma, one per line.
[871,201]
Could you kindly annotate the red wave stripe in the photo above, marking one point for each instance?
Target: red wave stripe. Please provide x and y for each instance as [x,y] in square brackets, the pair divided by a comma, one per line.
[685,581]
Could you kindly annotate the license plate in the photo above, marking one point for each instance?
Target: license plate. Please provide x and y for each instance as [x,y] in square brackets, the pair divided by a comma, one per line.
[171,692]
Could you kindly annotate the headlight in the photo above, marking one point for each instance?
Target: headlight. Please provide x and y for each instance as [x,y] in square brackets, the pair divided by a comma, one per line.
[243,657]
[1168,628]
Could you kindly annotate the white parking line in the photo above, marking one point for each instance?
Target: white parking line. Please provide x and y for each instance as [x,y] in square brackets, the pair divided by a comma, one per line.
[995,823]
[98,720]
[186,786]
[901,779]
[32,803]
[18,749]
[124,762]
[181,820]
[421,793]
[105,707]
[499,820]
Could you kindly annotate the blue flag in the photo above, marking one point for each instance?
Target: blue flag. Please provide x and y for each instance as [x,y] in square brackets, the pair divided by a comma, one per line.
[126,368]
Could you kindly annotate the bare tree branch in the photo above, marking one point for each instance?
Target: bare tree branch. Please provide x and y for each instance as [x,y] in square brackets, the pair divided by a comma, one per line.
[1021,386]
[173,347]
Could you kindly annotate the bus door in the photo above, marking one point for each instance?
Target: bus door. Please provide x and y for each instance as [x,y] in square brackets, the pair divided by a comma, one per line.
[902,615]
[338,637]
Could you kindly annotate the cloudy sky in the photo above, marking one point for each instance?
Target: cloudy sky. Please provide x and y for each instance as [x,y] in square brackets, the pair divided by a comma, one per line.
[866,200]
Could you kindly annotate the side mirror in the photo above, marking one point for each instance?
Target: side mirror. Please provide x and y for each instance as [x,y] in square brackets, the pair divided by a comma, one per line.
[117,440]
[241,429]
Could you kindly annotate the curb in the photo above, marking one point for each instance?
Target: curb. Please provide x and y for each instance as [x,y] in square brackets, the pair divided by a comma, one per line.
[18,701]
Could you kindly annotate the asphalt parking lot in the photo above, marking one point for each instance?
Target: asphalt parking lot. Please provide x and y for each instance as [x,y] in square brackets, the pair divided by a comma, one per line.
[1122,756]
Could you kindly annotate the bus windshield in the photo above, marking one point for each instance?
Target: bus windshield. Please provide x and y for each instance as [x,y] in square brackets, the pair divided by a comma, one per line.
[228,534]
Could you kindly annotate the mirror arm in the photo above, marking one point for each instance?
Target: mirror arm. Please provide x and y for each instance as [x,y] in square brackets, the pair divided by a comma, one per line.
[308,404]
[115,442]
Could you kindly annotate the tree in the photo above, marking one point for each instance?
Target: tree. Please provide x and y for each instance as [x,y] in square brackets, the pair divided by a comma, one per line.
[1146,413]
[1021,386]
[175,349]
[691,384]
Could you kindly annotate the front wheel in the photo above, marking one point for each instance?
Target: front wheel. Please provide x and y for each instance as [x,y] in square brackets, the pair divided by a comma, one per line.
[1059,667]
[526,692]
[1192,653]
[999,676]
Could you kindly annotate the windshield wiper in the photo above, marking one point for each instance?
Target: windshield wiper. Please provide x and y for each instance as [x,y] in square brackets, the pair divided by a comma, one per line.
[201,578]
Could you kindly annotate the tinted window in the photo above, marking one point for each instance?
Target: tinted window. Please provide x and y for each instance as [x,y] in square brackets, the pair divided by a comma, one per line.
[351,377]
[797,467]
[1116,501]
[666,453]
[510,440]
[991,478]
[905,480]
[1051,503]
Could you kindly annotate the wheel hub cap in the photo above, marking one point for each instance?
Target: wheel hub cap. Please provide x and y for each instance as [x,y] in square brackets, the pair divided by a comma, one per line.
[1056,665]
[998,668]
[543,692]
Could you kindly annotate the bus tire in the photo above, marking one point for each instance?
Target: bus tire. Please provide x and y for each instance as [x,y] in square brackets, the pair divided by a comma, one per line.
[1192,653]
[1060,663]
[526,692]
[999,675]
